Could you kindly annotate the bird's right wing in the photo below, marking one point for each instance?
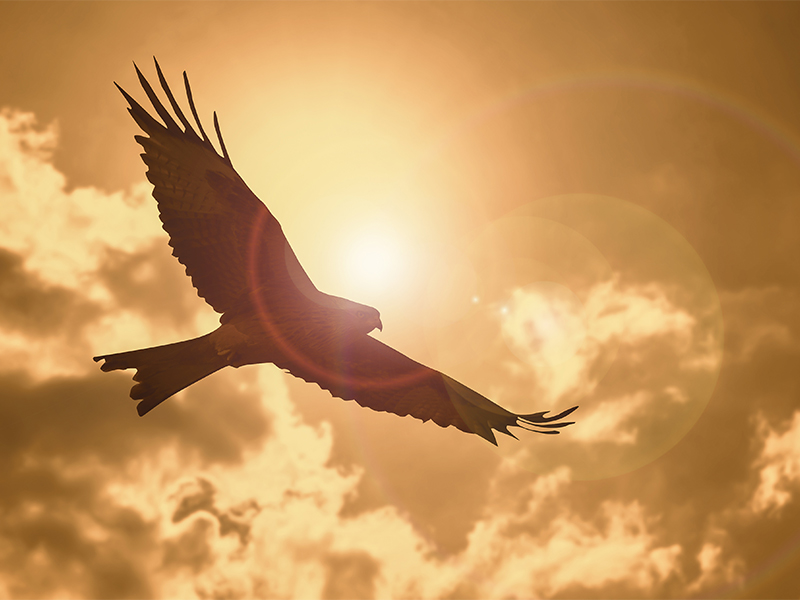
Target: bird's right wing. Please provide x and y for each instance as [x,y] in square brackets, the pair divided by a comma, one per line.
[220,231]
[377,376]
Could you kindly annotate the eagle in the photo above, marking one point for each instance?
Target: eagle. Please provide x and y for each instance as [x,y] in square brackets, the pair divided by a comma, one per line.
[242,265]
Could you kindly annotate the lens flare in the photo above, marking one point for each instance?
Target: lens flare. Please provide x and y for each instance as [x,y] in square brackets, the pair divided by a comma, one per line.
[587,300]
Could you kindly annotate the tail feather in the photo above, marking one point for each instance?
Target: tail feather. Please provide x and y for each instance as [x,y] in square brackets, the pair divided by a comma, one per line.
[165,370]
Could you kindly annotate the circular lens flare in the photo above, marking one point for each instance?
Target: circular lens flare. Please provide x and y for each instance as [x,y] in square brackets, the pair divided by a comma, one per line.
[583,300]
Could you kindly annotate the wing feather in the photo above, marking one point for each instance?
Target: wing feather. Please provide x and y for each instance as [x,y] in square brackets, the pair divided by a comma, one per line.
[219,230]
[188,130]
[379,377]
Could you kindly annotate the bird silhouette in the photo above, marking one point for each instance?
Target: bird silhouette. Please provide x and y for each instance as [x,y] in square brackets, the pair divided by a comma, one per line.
[241,264]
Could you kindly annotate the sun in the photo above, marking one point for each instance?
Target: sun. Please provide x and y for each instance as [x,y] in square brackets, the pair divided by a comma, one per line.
[373,261]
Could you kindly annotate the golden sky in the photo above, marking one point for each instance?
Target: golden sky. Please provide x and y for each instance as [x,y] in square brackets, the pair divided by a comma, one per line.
[554,203]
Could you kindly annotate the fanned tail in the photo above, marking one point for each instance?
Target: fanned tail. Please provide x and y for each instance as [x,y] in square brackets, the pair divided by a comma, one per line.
[163,371]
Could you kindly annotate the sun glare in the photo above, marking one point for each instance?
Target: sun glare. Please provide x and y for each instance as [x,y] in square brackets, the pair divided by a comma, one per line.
[372,261]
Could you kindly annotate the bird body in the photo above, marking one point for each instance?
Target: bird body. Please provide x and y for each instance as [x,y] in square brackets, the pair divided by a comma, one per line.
[240,262]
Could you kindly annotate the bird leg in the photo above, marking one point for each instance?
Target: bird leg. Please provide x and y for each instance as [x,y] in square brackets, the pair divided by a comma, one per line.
[227,342]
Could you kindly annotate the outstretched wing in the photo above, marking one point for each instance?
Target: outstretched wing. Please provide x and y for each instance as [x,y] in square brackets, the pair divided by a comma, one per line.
[219,230]
[360,368]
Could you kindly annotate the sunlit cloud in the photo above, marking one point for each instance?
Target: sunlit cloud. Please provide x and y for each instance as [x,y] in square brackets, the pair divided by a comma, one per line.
[778,466]
[516,555]
[716,570]
[560,338]
[64,260]
[504,557]
[611,420]
[544,321]
[63,233]
[632,314]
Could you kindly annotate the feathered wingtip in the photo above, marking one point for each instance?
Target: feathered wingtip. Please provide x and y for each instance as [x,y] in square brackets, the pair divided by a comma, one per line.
[148,123]
[483,417]
[536,422]
[540,424]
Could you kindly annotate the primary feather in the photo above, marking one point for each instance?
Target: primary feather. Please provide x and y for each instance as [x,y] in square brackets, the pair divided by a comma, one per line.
[240,262]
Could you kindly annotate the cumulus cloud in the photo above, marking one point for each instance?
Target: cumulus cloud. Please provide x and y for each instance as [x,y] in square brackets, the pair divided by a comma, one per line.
[716,570]
[611,420]
[640,364]
[562,339]
[778,466]
[80,267]
[301,548]
[62,233]
[532,552]
[40,322]
[77,272]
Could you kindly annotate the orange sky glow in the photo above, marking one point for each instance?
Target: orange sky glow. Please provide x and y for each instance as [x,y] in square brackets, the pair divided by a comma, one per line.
[553,203]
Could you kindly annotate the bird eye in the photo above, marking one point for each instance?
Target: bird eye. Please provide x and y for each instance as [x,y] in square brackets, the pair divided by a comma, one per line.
[360,314]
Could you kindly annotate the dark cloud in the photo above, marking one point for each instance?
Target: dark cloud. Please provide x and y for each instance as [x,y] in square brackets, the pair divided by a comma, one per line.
[768,545]
[152,283]
[55,556]
[92,418]
[34,307]
[350,575]
[199,496]
[68,535]
[191,549]
[63,440]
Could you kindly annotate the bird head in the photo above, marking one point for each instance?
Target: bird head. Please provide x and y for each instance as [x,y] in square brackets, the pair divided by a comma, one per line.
[365,318]
[360,317]
[354,316]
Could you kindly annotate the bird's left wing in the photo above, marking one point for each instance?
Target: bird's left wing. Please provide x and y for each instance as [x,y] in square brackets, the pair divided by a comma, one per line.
[220,231]
[361,368]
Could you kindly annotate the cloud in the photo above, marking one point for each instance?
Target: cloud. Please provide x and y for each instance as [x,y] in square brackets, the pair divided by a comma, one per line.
[350,575]
[759,320]
[611,420]
[267,523]
[640,365]
[563,339]
[35,308]
[150,283]
[41,323]
[61,233]
[504,560]
[539,549]
[83,267]
[778,466]
[78,270]
[78,468]
[227,490]
[716,570]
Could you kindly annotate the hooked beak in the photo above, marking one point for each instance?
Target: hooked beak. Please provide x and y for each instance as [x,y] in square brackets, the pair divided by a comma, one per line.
[379,326]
